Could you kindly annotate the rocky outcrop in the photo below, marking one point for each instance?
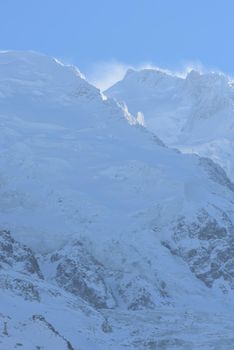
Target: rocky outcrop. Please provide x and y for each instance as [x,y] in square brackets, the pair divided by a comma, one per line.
[207,245]
[19,269]
[16,255]
[78,272]
[20,287]
[50,327]
[139,294]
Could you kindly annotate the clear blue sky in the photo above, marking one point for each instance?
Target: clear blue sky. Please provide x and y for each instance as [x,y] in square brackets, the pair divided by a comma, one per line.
[167,33]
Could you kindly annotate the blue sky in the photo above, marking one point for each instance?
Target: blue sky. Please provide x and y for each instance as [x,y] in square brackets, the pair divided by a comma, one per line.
[103,37]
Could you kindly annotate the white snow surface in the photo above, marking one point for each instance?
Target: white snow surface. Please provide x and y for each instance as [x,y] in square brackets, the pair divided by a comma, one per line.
[75,165]
[194,113]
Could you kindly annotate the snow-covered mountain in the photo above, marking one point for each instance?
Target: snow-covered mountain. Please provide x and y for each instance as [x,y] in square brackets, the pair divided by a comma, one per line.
[109,239]
[194,113]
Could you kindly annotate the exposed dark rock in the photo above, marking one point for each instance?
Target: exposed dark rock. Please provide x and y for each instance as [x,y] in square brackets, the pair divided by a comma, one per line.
[42,319]
[212,258]
[162,344]
[139,294]
[17,265]
[106,326]
[78,272]
[20,287]
[17,255]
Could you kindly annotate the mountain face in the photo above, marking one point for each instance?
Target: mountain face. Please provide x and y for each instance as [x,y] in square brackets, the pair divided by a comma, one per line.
[194,114]
[109,239]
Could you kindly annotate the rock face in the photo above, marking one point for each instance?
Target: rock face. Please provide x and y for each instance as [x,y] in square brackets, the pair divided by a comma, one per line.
[18,268]
[206,245]
[143,324]
[139,294]
[81,274]
[78,272]
[20,287]
[17,257]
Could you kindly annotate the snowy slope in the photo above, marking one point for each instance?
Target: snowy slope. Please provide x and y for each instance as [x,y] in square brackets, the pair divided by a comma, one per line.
[121,232]
[193,113]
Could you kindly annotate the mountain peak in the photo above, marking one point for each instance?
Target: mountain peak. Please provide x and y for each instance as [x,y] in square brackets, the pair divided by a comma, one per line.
[109,226]
[147,75]
[32,60]
[35,67]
